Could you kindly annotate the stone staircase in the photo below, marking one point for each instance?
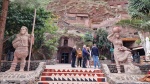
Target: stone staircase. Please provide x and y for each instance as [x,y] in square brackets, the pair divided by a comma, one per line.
[72,76]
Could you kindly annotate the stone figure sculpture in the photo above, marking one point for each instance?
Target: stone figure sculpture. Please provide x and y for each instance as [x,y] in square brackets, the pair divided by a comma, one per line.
[121,53]
[21,44]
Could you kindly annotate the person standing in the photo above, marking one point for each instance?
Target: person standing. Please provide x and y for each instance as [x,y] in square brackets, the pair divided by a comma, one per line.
[136,57]
[79,57]
[88,57]
[73,54]
[112,54]
[85,54]
[8,55]
[95,54]
[11,55]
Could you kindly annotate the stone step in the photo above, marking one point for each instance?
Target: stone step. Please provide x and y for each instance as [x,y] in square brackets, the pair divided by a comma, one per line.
[72,74]
[74,70]
[83,79]
[67,75]
[69,82]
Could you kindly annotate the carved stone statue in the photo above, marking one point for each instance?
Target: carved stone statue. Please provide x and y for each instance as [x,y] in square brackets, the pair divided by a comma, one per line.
[21,44]
[121,53]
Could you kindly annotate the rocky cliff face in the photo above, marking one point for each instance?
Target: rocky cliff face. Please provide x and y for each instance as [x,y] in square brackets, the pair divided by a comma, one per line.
[99,13]
[98,10]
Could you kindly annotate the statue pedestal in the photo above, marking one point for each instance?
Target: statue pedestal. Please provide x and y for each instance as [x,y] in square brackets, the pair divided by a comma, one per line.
[26,77]
[121,78]
[132,69]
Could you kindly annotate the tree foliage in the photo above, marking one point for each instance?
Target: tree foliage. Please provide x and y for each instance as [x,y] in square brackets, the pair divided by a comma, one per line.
[88,39]
[51,39]
[140,13]
[135,23]
[139,9]
[32,3]
[101,39]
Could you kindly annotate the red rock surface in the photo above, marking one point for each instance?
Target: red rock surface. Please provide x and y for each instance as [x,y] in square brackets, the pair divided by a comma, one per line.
[97,10]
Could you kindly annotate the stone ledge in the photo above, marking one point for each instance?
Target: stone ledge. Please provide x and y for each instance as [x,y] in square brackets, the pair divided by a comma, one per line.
[27,77]
[113,69]
[5,65]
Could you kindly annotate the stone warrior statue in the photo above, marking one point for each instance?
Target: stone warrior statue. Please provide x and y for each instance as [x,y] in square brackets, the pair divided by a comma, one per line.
[121,53]
[21,45]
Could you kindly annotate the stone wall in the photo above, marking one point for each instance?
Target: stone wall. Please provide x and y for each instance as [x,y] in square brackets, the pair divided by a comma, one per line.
[26,77]
[113,69]
[143,68]
[122,78]
[33,65]
[6,66]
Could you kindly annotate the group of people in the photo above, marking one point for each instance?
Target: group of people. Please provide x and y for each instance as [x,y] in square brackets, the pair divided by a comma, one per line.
[85,56]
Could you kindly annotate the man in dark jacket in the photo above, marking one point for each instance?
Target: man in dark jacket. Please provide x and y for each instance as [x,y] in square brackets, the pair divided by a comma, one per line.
[73,54]
[85,54]
[95,54]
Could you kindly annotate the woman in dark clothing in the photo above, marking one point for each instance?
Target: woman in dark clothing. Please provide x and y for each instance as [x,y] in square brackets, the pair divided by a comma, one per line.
[73,54]
[88,57]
